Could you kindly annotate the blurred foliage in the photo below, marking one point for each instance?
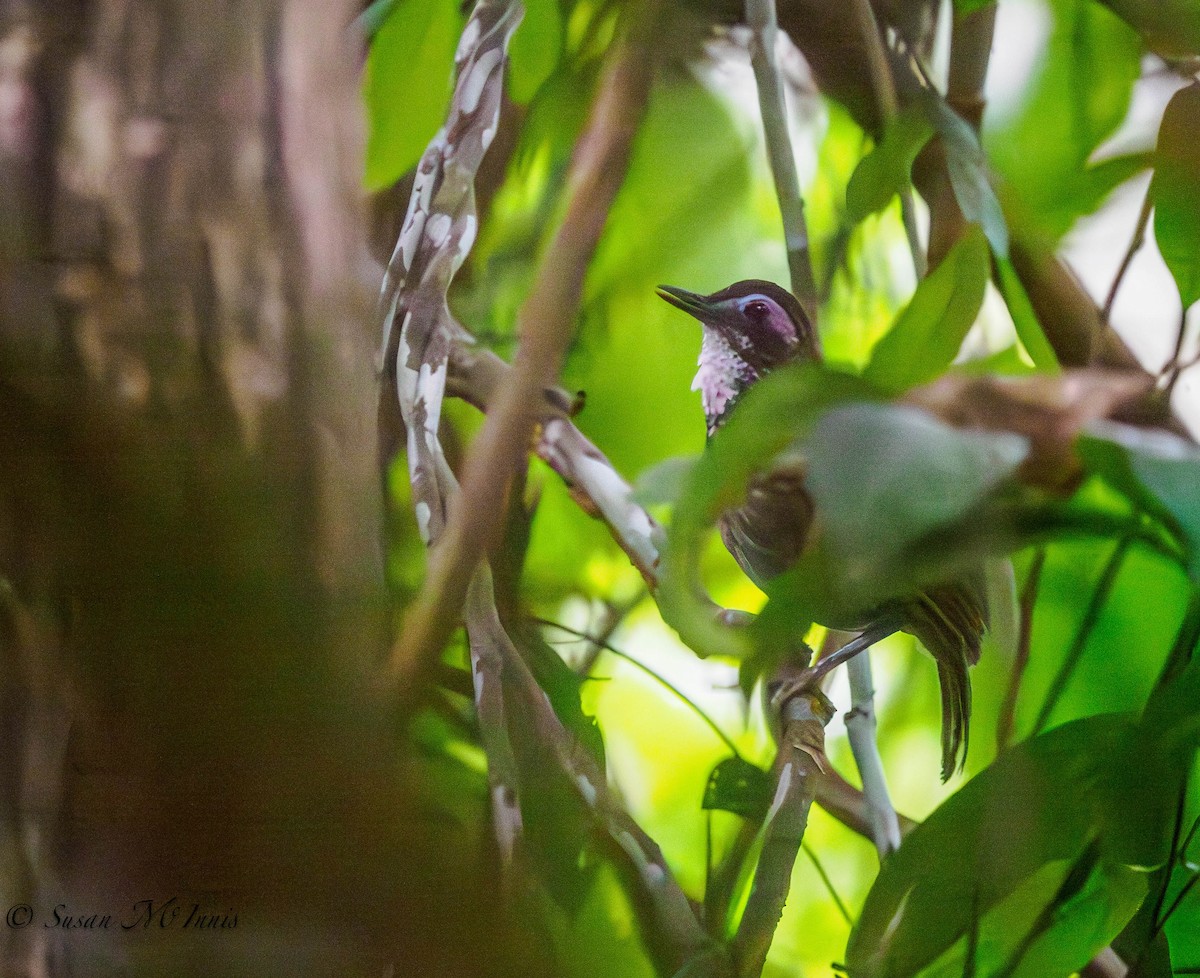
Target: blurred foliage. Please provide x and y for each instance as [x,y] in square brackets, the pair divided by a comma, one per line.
[1079,834]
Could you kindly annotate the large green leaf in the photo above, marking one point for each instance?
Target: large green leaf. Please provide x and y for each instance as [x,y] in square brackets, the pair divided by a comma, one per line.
[1050,925]
[1160,471]
[407,86]
[1175,191]
[887,169]
[1171,27]
[1040,803]
[1108,781]
[884,475]
[929,331]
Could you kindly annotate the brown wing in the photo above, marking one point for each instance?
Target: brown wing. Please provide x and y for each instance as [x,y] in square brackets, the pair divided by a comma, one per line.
[767,533]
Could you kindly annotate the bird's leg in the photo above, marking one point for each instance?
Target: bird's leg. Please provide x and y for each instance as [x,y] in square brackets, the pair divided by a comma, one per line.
[809,678]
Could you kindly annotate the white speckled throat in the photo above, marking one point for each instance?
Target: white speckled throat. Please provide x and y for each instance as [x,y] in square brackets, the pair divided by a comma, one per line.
[721,379]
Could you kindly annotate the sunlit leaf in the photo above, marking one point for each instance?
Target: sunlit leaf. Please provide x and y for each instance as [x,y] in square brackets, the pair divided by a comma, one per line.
[407,85]
[887,169]
[1025,321]
[1073,918]
[929,331]
[1175,191]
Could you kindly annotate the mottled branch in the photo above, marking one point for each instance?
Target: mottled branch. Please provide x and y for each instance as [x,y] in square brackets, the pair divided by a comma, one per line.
[801,756]
[545,327]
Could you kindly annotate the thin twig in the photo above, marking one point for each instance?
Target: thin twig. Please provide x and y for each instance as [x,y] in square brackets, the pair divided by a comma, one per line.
[884,88]
[545,327]
[825,878]
[1008,709]
[760,17]
[614,614]
[1091,615]
[801,756]
[810,678]
[1175,366]
[657,677]
[1135,244]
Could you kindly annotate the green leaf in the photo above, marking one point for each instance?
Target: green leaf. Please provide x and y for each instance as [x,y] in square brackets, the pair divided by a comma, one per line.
[929,331]
[884,475]
[1073,920]
[1175,191]
[1170,27]
[1157,470]
[1036,805]
[535,49]
[1078,95]
[887,169]
[968,169]
[1029,329]
[408,84]
[738,786]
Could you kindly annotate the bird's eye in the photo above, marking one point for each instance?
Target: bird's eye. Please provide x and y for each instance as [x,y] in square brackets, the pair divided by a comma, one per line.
[756,310]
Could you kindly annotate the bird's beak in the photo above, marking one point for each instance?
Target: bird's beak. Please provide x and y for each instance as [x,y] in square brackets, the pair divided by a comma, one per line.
[689,302]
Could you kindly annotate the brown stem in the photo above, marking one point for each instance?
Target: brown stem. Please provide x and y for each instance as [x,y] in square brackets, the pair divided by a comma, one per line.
[1135,244]
[970,50]
[1176,366]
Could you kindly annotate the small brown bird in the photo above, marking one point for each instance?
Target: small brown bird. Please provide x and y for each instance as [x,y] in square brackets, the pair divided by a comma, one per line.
[750,328]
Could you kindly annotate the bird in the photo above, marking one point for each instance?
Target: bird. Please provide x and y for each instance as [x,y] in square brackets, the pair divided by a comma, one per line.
[751,328]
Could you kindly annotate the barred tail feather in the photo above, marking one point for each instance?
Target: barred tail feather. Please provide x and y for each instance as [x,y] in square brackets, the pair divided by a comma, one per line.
[949,621]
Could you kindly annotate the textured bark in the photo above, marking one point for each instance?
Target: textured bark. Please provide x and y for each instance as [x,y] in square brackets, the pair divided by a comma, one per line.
[191,589]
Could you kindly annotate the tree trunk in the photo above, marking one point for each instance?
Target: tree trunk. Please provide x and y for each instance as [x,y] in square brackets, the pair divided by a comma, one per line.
[191,587]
